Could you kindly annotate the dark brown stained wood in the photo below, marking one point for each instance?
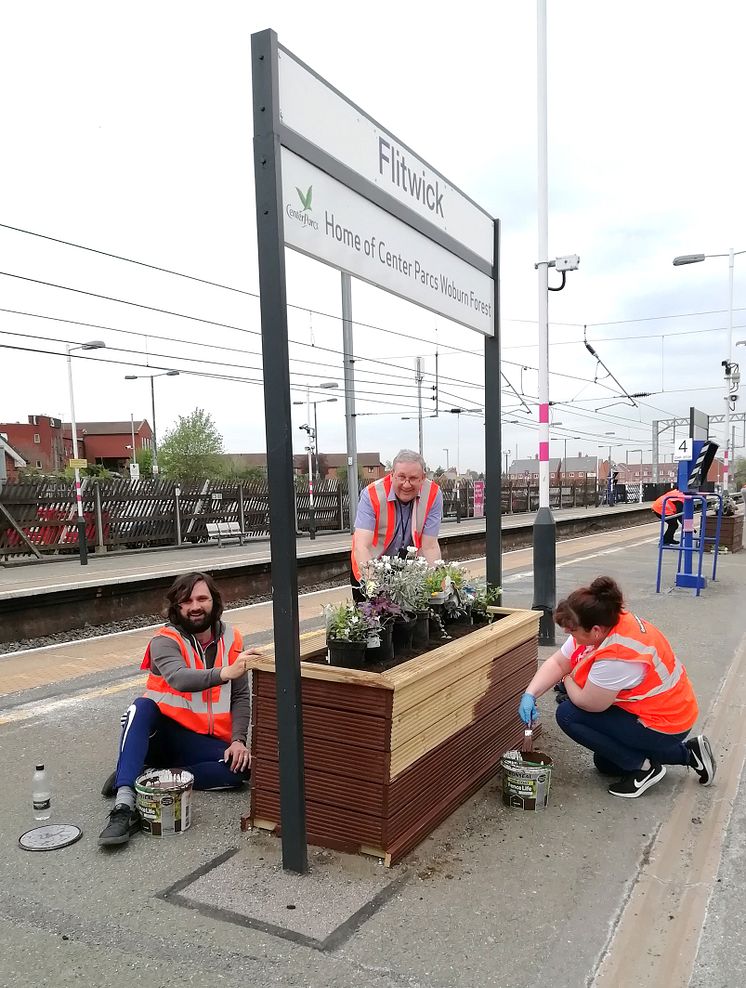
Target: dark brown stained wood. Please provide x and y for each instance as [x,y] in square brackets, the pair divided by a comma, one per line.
[354,828]
[333,727]
[356,795]
[416,783]
[458,718]
[455,772]
[340,696]
[437,813]
[346,761]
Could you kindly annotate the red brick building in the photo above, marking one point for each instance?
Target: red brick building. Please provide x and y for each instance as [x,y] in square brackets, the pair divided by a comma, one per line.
[46,445]
[11,460]
[40,442]
[109,444]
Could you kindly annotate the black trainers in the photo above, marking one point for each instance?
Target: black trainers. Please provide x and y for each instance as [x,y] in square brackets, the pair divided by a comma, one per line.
[701,759]
[123,822]
[107,789]
[634,785]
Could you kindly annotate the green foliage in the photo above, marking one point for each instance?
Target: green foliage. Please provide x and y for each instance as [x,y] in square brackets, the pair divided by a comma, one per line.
[740,472]
[346,622]
[487,595]
[144,459]
[191,450]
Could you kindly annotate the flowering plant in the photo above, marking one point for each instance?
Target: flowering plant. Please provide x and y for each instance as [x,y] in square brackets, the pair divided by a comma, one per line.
[381,607]
[347,622]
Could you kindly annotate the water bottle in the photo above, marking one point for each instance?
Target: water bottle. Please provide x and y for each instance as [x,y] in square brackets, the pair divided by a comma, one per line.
[40,794]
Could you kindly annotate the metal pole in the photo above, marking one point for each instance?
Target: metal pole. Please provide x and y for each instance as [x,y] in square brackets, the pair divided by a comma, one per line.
[177,513]
[348,362]
[545,547]
[309,448]
[492,434]
[726,429]
[418,378]
[82,543]
[273,307]
[316,441]
[155,441]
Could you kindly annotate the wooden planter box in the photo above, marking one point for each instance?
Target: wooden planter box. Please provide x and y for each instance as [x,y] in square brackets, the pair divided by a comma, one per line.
[388,756]
[731,532]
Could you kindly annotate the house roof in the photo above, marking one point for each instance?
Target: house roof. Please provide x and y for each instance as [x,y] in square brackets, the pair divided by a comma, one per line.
[105,428]
[333,460]
[15,456]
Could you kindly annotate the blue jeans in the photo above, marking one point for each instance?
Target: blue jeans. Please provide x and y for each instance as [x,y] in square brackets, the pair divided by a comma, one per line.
[619,742]
[150,738]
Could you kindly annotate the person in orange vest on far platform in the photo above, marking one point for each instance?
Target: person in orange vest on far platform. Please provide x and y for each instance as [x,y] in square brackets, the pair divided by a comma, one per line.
[402,509]
[674,507]
[629,699]
[196,708]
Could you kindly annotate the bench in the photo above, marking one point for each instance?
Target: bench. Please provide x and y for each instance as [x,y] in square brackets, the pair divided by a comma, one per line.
[224,531]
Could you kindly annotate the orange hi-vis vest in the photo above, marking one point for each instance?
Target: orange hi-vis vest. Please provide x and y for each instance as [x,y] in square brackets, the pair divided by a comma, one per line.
[671,508]
[206,712]
[385,528]
[664,700]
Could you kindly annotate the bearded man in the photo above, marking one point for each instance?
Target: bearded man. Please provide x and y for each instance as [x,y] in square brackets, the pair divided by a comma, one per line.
[196,708]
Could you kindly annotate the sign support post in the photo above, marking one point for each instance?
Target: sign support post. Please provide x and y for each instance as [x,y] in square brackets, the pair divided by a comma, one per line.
[273,305]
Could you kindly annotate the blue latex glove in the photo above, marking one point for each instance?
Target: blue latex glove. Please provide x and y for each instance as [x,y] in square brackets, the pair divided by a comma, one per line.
[527,709]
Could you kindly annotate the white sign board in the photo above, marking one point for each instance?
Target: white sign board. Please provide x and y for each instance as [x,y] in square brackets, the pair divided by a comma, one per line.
[321,115]
[326,220]
[685,450]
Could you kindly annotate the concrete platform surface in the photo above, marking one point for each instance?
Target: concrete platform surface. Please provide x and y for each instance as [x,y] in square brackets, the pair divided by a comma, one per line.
[495,897]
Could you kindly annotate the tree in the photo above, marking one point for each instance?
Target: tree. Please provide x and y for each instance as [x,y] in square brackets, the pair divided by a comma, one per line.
[191,450]
[144,458]
[740,471]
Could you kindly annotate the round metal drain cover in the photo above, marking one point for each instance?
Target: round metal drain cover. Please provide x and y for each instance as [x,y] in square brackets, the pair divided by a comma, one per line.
[50,838]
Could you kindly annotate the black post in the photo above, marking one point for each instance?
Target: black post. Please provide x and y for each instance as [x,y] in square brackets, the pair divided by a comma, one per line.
[492,436]
[273,306]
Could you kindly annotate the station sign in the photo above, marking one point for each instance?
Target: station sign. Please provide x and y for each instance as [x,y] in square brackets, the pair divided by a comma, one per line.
[330,222]
[312,108]
[77,464]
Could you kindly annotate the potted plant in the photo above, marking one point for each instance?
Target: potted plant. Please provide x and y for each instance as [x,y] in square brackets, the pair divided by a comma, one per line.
[347,632]
[381,610]
[483,597]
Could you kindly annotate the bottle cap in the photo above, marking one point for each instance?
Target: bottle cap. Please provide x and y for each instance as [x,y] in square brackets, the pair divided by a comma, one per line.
[39,768]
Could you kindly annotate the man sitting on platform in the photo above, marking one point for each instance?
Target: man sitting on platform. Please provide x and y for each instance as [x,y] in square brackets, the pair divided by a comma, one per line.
[196,708]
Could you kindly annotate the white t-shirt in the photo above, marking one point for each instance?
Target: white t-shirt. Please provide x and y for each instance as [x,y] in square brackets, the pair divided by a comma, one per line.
[610,674]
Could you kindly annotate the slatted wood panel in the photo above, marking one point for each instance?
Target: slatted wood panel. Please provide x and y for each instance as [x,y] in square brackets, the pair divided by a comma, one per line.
[455,719]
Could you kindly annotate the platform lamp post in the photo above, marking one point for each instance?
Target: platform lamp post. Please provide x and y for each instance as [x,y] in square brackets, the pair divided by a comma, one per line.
[731,379]
[82,542]
[308,403]
[135,377]
[447,452]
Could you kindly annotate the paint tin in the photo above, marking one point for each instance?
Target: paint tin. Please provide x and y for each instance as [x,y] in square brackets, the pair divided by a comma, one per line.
[164,801]
[526,779]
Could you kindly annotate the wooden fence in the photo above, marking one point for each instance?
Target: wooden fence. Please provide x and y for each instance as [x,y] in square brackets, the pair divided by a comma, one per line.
[38,517]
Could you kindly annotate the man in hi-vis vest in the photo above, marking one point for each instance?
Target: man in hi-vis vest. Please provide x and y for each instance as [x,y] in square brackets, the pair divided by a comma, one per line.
[401,509]
[196,708]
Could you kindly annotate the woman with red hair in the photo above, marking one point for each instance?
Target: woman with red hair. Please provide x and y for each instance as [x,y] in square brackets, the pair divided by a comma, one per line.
[629,699]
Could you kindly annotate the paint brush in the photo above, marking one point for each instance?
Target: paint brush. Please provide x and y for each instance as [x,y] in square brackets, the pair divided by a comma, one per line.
[528,738]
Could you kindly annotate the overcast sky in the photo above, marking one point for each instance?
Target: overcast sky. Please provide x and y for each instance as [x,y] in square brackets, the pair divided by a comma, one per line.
[127,128]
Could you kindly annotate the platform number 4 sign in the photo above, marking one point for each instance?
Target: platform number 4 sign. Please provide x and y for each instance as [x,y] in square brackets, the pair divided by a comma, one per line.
[685,450]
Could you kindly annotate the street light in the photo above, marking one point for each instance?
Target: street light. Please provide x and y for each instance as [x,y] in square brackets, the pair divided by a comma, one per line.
[319,401]
[731,378]
[82,542]
[135,377]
